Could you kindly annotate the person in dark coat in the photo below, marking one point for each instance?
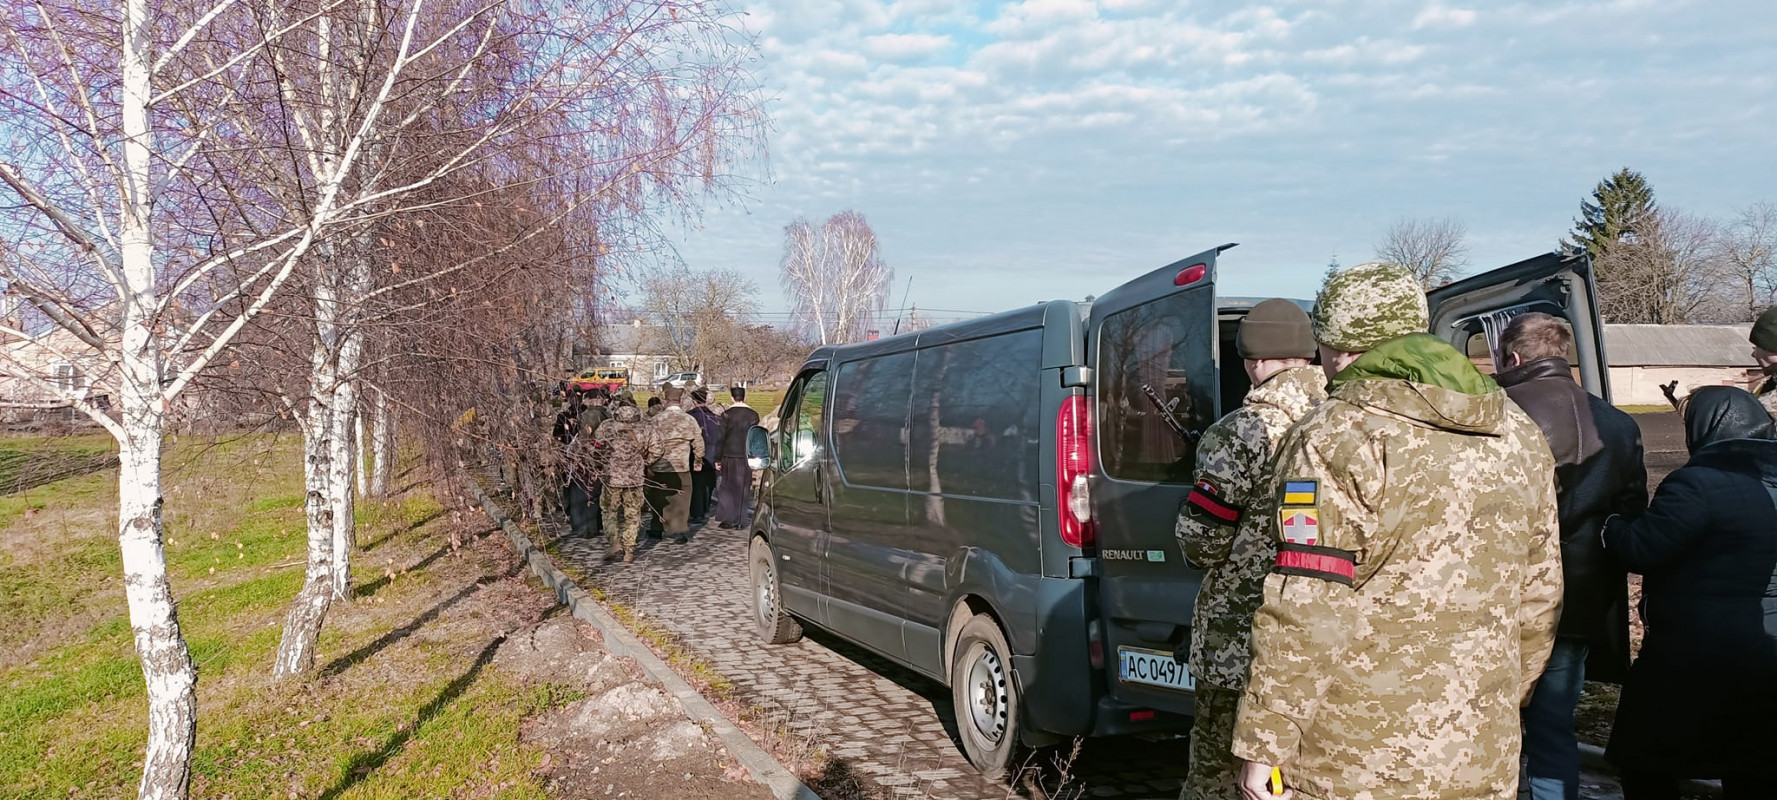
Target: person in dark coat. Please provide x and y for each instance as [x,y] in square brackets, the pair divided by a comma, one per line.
[1701,700]
[1598,473]
[703,482]
[737,476]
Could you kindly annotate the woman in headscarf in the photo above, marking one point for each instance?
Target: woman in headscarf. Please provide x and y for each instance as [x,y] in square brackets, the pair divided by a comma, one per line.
[1701,700]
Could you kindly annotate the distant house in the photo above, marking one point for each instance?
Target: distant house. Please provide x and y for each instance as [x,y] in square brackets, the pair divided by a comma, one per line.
[39,371]
[1645,357]
[632,347]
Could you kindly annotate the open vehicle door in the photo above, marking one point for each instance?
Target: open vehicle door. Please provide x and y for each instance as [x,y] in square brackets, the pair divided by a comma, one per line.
[1152,343]
[1472,312]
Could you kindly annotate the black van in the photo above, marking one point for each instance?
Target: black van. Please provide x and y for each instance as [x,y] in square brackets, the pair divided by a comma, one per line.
[991,503]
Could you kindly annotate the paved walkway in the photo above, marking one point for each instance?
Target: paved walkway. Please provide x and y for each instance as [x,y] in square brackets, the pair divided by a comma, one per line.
[877,721]
[890,728]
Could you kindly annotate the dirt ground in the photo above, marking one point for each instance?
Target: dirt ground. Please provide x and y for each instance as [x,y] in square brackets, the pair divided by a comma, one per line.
[625,737]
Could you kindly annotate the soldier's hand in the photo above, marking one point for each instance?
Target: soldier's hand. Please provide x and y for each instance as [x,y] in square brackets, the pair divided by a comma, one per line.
[1255,782]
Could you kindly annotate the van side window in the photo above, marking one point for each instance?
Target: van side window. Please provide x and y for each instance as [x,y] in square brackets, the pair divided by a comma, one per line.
[870,420]
[811,403]
[975,418]
[1156,368]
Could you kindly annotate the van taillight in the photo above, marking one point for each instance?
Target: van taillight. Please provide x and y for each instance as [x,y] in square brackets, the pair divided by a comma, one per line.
[1073,470]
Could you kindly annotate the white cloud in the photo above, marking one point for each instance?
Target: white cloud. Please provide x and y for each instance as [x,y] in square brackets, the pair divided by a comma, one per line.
[905,46]
[955,126]
[1437,16]
[1366,51]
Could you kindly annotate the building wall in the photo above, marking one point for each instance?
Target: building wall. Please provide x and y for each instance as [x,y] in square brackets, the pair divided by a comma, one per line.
[1641,385]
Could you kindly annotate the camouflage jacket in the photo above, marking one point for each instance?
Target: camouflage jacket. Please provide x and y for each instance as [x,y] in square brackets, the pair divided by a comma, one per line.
[1222,526]
[680,438]
[1767,395]
[623,446]
[1417,586]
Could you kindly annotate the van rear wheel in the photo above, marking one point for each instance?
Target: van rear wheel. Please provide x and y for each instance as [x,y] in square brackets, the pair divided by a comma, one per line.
[985,696]
[774,626]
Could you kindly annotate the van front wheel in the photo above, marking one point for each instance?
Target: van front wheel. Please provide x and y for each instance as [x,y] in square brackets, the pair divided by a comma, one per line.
[985,696]
[774,626]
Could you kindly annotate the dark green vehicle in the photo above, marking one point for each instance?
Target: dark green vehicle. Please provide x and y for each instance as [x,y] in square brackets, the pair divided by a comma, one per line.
[991,503]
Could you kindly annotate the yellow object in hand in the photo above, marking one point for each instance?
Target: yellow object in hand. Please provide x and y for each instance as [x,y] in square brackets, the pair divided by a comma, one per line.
[1276,780]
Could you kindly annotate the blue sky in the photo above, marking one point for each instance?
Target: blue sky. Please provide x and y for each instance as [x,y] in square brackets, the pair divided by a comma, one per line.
[1016,152]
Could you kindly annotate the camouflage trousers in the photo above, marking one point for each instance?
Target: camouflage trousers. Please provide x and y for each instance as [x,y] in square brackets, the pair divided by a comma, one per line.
[622,507]
[1215,772]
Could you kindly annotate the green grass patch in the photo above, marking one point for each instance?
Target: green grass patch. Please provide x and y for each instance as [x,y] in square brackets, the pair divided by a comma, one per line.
[404,717]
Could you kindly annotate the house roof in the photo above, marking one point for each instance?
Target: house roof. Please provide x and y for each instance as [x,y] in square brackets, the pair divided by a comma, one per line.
[1678,345]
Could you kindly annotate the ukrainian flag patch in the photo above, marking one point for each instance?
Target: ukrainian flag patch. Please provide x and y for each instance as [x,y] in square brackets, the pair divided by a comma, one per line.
[1301,493]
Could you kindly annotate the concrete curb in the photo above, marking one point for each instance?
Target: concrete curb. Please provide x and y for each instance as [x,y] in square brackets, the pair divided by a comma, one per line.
[1593,756]
[619,641]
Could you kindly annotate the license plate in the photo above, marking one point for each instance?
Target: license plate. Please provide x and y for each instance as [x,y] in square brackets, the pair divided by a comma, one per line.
[1153,668]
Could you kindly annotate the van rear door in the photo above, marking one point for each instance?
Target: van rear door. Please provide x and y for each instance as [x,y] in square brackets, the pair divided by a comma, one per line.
[1472,312]
[1152,343]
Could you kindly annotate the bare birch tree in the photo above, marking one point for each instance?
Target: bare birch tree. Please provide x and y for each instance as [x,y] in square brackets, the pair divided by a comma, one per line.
[1749,255]
[1434,250]
[698,313]
[1670,273]
[836,277]
[146,226]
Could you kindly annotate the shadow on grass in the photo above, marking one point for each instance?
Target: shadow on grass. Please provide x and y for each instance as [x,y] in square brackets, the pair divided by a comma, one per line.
[413,526]
[357,656]
[367,589]
[369,761]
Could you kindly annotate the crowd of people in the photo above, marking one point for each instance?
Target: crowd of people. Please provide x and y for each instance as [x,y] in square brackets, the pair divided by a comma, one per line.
[665,471]
[1412,567]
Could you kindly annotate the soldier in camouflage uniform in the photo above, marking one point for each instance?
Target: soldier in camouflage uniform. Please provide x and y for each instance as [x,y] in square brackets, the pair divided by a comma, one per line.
[1417,584]
[625,446]
[1764,350]
[1222,529]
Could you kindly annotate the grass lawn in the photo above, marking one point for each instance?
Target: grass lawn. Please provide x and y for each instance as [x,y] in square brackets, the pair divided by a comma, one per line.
[406,703]
[31,460]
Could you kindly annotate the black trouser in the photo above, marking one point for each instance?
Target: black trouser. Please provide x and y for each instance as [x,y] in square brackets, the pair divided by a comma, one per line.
[583,510]
[703,491]
[1657,786]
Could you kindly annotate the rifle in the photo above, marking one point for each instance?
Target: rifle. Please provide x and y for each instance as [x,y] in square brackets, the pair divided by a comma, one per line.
[1185,434]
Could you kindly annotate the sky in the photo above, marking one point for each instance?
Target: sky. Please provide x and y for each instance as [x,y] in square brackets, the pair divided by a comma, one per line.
[1009,153]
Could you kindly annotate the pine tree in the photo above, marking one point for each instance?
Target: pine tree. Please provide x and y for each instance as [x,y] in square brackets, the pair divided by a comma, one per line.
[1333,268]
[1619,204]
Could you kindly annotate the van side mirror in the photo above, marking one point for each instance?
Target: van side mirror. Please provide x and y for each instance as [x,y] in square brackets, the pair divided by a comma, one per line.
[758,447]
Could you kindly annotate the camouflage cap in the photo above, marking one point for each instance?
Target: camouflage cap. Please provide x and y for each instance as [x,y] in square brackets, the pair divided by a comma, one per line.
[1367,305]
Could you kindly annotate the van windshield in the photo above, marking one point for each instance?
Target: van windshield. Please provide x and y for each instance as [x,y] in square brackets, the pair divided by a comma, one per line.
[1156,372]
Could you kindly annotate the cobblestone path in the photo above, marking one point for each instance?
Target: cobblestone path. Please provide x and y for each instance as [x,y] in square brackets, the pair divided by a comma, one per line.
[882,724]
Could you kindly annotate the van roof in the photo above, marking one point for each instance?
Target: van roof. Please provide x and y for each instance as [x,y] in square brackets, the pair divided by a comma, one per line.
[1016,319]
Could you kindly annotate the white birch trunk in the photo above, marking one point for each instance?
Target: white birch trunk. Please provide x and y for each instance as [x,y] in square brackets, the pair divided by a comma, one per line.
[167,669]
[302,626]
[382,446]
[341,465]
[359,475]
